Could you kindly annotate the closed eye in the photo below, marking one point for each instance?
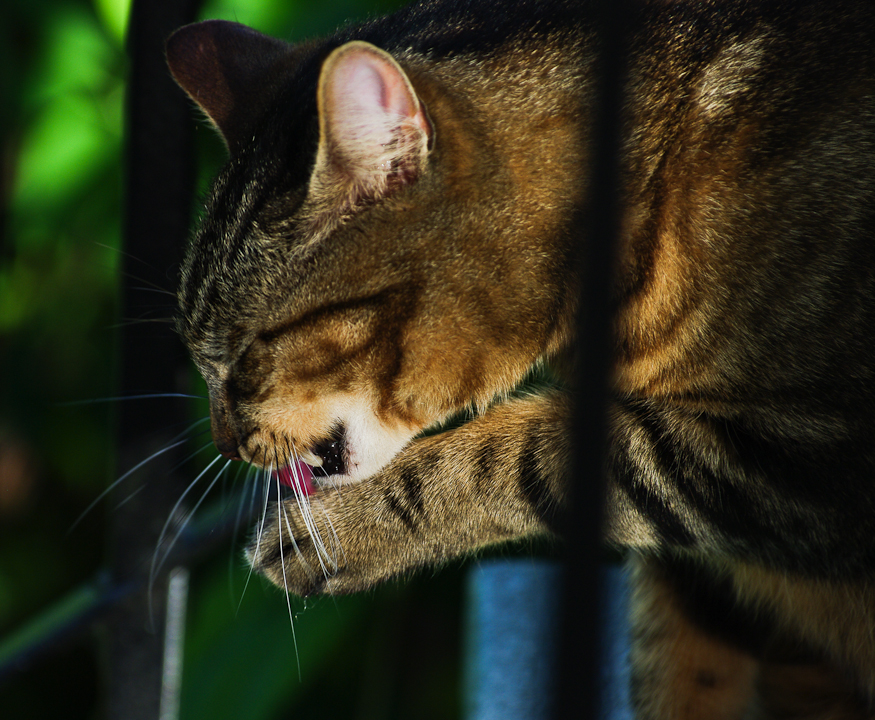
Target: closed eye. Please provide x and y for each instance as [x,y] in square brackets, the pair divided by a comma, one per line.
[349,310]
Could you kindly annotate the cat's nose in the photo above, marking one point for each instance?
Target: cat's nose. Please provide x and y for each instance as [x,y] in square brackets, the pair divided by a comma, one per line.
[224,439]
[226,446]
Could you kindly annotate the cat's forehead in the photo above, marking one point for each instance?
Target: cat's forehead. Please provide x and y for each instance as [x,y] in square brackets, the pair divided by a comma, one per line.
[238,269]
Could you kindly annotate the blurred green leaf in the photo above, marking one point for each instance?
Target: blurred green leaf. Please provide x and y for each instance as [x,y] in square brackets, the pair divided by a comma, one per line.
[66,610]
[114,16]
[76,115]
[256,640]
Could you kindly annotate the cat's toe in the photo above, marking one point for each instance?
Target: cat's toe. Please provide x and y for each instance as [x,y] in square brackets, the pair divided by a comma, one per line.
[296,569]
[292,551]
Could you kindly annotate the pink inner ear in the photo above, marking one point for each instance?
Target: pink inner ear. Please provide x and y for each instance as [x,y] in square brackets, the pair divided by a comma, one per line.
[368,95]
[375,84]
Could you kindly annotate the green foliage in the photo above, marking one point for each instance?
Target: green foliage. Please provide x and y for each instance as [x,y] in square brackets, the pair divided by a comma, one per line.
[60,130]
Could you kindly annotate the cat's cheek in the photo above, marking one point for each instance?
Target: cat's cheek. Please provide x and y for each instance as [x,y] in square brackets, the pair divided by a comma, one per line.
[309,425]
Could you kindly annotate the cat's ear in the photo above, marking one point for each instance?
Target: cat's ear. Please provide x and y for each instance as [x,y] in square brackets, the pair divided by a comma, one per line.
[225,68]
[374,133]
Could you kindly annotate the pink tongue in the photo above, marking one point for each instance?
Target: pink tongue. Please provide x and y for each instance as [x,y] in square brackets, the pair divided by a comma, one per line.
[298,476]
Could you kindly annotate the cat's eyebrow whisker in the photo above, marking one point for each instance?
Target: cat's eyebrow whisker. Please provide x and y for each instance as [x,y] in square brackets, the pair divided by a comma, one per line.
[126,254]
[150,286]
[132,322]
[160,290]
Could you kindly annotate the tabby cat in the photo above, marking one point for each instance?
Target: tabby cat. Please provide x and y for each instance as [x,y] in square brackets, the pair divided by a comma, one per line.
[391,244]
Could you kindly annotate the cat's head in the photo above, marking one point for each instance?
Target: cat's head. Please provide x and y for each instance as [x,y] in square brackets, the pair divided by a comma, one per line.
[357,274]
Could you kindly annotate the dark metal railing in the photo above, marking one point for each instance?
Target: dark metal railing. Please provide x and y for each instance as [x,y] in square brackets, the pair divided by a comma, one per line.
[576,694]
[159,147]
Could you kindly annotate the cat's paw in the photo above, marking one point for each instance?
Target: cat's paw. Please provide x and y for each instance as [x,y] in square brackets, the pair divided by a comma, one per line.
[332,542]
[296,545]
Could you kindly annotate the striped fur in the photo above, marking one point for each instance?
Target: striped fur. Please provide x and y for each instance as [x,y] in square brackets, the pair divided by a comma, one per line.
[391,245]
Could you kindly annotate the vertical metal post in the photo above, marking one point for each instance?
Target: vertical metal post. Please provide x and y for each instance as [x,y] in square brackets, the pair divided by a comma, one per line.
[174,644]
[580,646]
[159,190]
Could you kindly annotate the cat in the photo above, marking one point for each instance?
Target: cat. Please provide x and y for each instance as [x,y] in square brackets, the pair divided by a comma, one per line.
[391,242]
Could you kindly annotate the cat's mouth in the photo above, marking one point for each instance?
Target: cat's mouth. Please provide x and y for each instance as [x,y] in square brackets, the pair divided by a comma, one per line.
[332,452]
[351,447]
[298,476]
[327,457]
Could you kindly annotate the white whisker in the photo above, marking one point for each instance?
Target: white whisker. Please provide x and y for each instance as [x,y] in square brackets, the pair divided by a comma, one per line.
[154,290]
[265,494]
[306,511]
[131,322]
[336,547]
[170,517]
[115,483]
[130,497]
[148,396]
[121,252]
[255,482]
[188,516]
[260,532]
[174,443]
[238,520]
[335,542]
[281,507]
[285,581]
[191,456]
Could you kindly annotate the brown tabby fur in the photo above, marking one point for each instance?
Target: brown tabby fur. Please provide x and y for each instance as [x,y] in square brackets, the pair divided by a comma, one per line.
[391,243]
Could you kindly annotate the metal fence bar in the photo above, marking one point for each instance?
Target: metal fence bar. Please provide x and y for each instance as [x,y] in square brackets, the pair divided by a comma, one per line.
[576,694]
[174,644]
[159,191]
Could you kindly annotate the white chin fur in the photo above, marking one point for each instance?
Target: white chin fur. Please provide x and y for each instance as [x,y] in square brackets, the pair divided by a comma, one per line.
[370,445]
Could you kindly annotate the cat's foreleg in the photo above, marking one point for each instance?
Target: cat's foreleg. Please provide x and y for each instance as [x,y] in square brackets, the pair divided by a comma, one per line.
[496,478]
[676,478]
